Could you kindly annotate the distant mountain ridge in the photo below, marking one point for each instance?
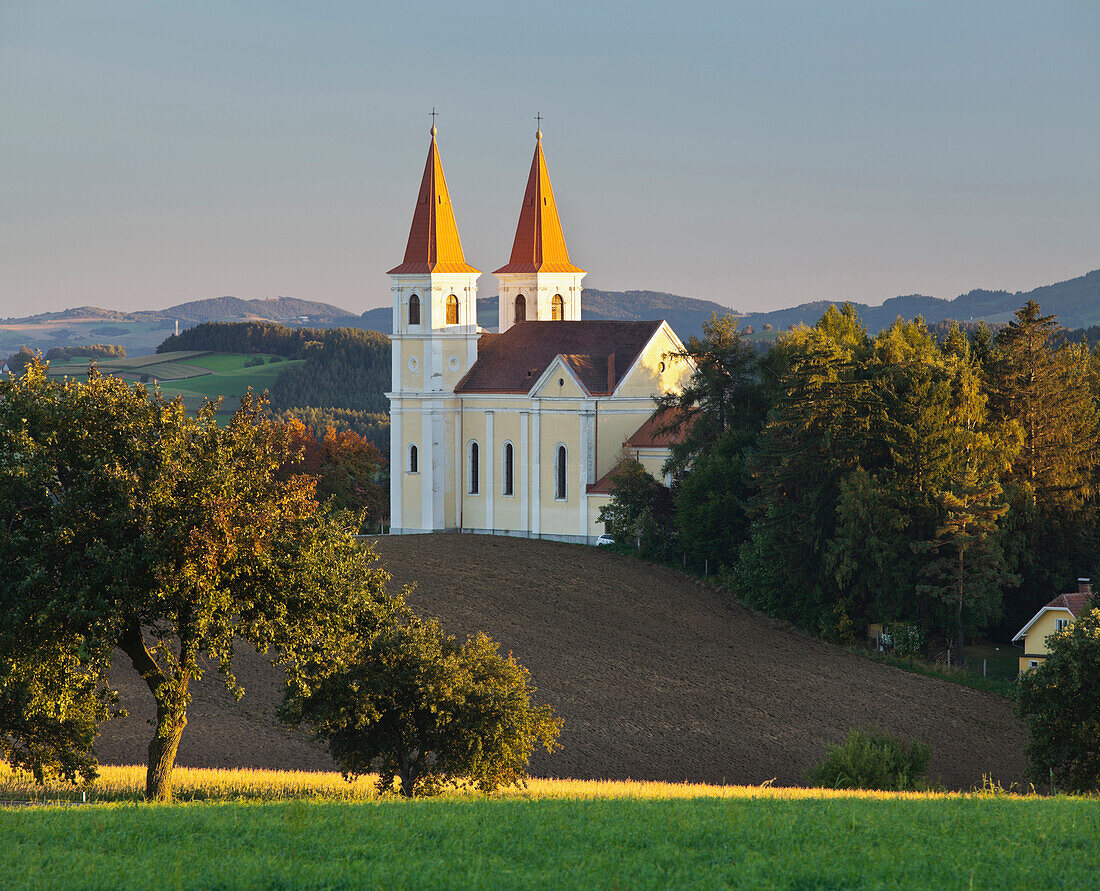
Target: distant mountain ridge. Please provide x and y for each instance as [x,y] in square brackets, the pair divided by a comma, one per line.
[211,309]
[1075,301]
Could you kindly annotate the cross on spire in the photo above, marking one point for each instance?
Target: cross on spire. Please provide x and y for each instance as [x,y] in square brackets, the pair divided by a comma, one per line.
[433,120]
[538,123]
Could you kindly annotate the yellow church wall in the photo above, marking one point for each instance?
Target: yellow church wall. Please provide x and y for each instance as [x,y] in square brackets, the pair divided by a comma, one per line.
[618,420]
[410,482]
[560,383]
[412,364]
[648,377]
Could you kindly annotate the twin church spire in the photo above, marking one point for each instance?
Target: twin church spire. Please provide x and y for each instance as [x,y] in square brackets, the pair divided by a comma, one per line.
[434,245]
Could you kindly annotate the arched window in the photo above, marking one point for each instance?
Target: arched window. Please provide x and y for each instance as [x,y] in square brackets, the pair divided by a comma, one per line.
[473,452]
[452,310]
[559,474]
[507,485]
[557,309]
[414,310]
[521,309]
[414,457]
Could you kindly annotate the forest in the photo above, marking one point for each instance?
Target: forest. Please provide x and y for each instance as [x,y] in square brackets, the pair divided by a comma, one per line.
[342,381]
[945,486]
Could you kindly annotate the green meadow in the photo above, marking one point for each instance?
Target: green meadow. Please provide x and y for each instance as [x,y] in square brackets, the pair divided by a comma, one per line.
[506,842]
[196,376]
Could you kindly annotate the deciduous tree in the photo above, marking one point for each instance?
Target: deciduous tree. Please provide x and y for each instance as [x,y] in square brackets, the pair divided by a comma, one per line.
[430,711]
[126,523]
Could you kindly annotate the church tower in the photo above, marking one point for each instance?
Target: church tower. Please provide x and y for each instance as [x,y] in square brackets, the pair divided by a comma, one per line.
[539,283]
[434,344]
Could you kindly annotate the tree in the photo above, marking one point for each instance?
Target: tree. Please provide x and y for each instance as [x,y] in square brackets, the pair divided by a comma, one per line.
[126,523]
[1060,702]
[640,509]
[428,710]
[344,466]
[722,395]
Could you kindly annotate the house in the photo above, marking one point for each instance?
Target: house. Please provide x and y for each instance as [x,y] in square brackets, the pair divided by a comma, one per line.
[1052,618]
[511,432]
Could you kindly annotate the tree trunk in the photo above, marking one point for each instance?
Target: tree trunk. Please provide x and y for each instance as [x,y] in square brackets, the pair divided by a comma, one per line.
[162,756]
[959,611]
[171,714]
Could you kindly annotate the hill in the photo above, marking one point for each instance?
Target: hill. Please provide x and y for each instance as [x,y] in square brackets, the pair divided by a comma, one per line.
[656,676]
[140,332]
[1076,302]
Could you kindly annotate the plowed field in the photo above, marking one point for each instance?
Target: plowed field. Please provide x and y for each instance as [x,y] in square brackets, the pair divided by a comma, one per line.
[656,676]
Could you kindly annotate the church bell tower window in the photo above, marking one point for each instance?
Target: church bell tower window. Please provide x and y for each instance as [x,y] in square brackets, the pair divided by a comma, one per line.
[521,309]
[414,310]
[452,310]
[557,308]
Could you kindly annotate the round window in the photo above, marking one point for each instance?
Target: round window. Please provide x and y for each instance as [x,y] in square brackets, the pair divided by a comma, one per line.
[661,367]
[413,364]
[453,363]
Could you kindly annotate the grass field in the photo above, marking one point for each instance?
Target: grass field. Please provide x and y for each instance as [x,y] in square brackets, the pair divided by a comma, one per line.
[765,838]
[196,376]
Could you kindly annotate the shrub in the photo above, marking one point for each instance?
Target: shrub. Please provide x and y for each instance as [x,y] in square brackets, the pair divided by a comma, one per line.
[429,711]
[905,638]
[1060,701]
[869,760]
[254,361]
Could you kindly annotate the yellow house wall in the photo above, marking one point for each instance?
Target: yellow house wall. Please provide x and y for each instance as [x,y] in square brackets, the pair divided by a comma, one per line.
[1035,643]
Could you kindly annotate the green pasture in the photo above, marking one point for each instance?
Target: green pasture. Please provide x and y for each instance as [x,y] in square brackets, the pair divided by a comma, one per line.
[196,376]
[501,843]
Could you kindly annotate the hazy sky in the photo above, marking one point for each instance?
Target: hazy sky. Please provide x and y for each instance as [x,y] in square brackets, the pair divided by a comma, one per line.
[757,154]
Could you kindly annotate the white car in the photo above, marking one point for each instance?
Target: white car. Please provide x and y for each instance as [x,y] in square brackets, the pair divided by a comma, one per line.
[604,539]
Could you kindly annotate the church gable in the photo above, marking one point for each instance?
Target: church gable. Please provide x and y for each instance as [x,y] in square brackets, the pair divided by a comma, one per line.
[656,367]
[560,380]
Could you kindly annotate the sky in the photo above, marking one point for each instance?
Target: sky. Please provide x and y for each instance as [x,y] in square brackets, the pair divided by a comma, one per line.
[757,154]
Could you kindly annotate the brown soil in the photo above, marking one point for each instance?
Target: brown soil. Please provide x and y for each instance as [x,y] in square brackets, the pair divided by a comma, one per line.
[656,676]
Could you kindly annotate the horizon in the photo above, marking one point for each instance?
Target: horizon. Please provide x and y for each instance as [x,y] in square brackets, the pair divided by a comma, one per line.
[756,158]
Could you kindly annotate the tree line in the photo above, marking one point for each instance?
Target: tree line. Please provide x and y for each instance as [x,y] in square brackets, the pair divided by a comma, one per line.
[344,368]
[841,479]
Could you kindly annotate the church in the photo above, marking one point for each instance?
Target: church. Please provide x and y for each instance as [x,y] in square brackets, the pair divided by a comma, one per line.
[513,432]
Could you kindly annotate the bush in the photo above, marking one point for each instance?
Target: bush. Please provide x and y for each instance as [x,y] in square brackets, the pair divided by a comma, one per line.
[869,760]
[254,361]
[1060,701]
[904,638]
[429,711]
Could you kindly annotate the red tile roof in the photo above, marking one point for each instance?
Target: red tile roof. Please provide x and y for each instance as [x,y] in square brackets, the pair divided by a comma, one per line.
[1076,603]
[512,362]
[602,486]
[539,245]
[434,245]
[651,434]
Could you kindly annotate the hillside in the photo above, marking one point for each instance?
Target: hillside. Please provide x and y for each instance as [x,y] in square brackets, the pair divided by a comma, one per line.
[1076,302]
[656,676]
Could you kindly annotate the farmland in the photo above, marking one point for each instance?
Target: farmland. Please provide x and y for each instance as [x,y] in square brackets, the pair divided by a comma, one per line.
[657,677]
[196,376]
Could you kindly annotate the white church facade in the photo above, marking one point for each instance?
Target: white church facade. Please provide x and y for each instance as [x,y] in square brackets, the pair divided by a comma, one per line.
[513,432]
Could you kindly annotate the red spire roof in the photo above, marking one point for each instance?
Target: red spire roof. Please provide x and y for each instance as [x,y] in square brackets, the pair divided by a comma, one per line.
[434,245]
[540,244]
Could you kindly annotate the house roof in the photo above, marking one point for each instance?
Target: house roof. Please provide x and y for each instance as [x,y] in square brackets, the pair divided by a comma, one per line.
[539,245]
[434,245]
[599,352]
[1074,604]
[652,433]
